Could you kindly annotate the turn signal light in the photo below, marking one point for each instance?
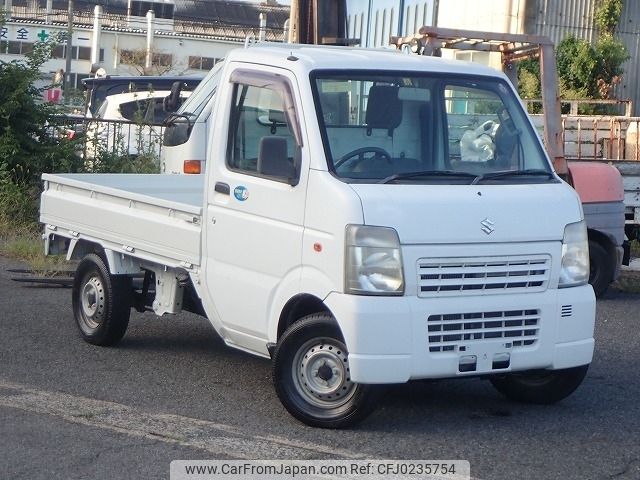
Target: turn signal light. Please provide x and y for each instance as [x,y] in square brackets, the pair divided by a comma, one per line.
[192,166]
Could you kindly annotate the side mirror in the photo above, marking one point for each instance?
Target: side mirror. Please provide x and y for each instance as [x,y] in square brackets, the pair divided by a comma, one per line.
[176,133]
[172,101]
[273,160]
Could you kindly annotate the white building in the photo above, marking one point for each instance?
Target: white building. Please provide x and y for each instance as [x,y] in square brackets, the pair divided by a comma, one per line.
[121,42]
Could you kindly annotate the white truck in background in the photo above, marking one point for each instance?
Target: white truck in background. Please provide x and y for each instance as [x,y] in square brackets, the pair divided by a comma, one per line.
[340,230]
[128,124]
[184,143]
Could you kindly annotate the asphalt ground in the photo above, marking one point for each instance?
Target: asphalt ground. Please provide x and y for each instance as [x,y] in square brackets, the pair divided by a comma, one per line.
[172,390]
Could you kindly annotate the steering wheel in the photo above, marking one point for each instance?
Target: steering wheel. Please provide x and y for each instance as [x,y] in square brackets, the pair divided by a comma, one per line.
[360,153]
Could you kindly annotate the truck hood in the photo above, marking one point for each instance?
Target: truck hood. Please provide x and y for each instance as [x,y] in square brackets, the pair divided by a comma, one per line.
[471,213]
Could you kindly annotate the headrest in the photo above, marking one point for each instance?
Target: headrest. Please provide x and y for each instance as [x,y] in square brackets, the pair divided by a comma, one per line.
[384,108]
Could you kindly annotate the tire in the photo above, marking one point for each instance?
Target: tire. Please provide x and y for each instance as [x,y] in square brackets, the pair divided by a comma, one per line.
[600,268]
[315,344]
[101,302]
[543,387]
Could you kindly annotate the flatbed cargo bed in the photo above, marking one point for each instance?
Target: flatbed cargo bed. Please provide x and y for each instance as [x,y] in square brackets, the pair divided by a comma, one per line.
[153,217]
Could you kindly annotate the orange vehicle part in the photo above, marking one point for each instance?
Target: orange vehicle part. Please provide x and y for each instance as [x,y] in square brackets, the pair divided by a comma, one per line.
[597,182]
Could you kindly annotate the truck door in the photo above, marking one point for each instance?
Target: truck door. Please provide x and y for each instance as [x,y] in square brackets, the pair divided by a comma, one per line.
[256,203]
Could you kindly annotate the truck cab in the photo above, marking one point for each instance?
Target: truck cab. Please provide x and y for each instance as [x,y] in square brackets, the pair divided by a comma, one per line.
[348,228]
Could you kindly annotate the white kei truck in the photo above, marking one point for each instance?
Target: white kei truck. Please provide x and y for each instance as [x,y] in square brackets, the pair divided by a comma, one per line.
[342,231]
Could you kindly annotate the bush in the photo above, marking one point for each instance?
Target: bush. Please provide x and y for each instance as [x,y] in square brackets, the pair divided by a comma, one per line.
[31,138]
[18,200]
[33,141]
[30,130]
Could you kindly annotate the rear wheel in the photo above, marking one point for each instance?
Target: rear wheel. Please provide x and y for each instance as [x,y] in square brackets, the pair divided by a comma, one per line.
[600,268]
[312,377]
[101,302]
[542,387]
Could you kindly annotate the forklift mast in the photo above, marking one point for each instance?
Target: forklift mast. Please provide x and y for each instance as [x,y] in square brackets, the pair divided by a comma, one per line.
[512,47]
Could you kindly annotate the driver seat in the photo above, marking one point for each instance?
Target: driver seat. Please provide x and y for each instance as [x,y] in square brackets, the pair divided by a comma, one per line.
[384,108]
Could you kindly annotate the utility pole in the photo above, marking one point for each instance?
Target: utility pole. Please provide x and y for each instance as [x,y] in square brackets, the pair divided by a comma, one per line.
[67,68]
[148,61]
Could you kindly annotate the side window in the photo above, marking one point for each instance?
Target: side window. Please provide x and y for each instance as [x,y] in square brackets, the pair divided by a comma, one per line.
[146,110]
[260,140]
[136,110]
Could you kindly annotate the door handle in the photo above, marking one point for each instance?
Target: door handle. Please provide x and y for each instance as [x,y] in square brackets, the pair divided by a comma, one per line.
[223,188]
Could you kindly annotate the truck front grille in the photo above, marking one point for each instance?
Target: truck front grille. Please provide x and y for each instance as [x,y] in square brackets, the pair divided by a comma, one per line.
[438,277]
[453,331]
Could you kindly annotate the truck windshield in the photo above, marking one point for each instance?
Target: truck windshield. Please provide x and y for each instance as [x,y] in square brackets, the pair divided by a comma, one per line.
[392,127]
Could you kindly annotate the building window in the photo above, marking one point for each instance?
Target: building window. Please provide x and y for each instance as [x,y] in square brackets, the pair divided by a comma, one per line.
[162,59]
[129,57]
[101,55]
[202,63]
[58,52]
[77,53]
[84,53]
[16,48]
[138,57]
[13,48]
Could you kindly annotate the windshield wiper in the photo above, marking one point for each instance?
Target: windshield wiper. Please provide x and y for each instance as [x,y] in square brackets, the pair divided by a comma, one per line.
[513,173]
[427,173]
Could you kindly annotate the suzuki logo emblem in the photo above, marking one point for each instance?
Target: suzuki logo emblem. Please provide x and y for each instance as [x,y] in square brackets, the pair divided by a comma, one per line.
[487,226]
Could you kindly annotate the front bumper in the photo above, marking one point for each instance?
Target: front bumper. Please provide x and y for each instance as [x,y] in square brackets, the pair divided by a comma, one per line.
[389,339]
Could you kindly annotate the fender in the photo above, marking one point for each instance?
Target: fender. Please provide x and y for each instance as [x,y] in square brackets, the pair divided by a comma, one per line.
[288,288]
[310,282]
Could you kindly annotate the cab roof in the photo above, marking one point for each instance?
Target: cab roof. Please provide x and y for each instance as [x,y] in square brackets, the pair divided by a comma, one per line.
[301,58]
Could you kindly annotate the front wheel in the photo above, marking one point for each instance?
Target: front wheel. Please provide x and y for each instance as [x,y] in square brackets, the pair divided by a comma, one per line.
[312,377]
[101,302]
[543,387]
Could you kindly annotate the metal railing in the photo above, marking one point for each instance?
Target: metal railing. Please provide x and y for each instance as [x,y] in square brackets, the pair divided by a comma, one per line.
[598,137]
[573,107]
[102,144]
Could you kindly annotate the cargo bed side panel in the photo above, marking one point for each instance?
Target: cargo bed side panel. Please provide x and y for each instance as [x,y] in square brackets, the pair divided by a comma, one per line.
[142,225]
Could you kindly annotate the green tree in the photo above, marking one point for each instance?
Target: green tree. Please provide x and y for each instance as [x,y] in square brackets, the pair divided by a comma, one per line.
[32,139]
[577,68]
[607,15]
[590,71]
[585,70]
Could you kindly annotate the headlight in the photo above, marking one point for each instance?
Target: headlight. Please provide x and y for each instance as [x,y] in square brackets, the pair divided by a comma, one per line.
[373,263]
[575,256]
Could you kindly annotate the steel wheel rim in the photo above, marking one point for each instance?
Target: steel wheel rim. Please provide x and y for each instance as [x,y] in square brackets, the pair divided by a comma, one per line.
[321,373]
[92,302]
